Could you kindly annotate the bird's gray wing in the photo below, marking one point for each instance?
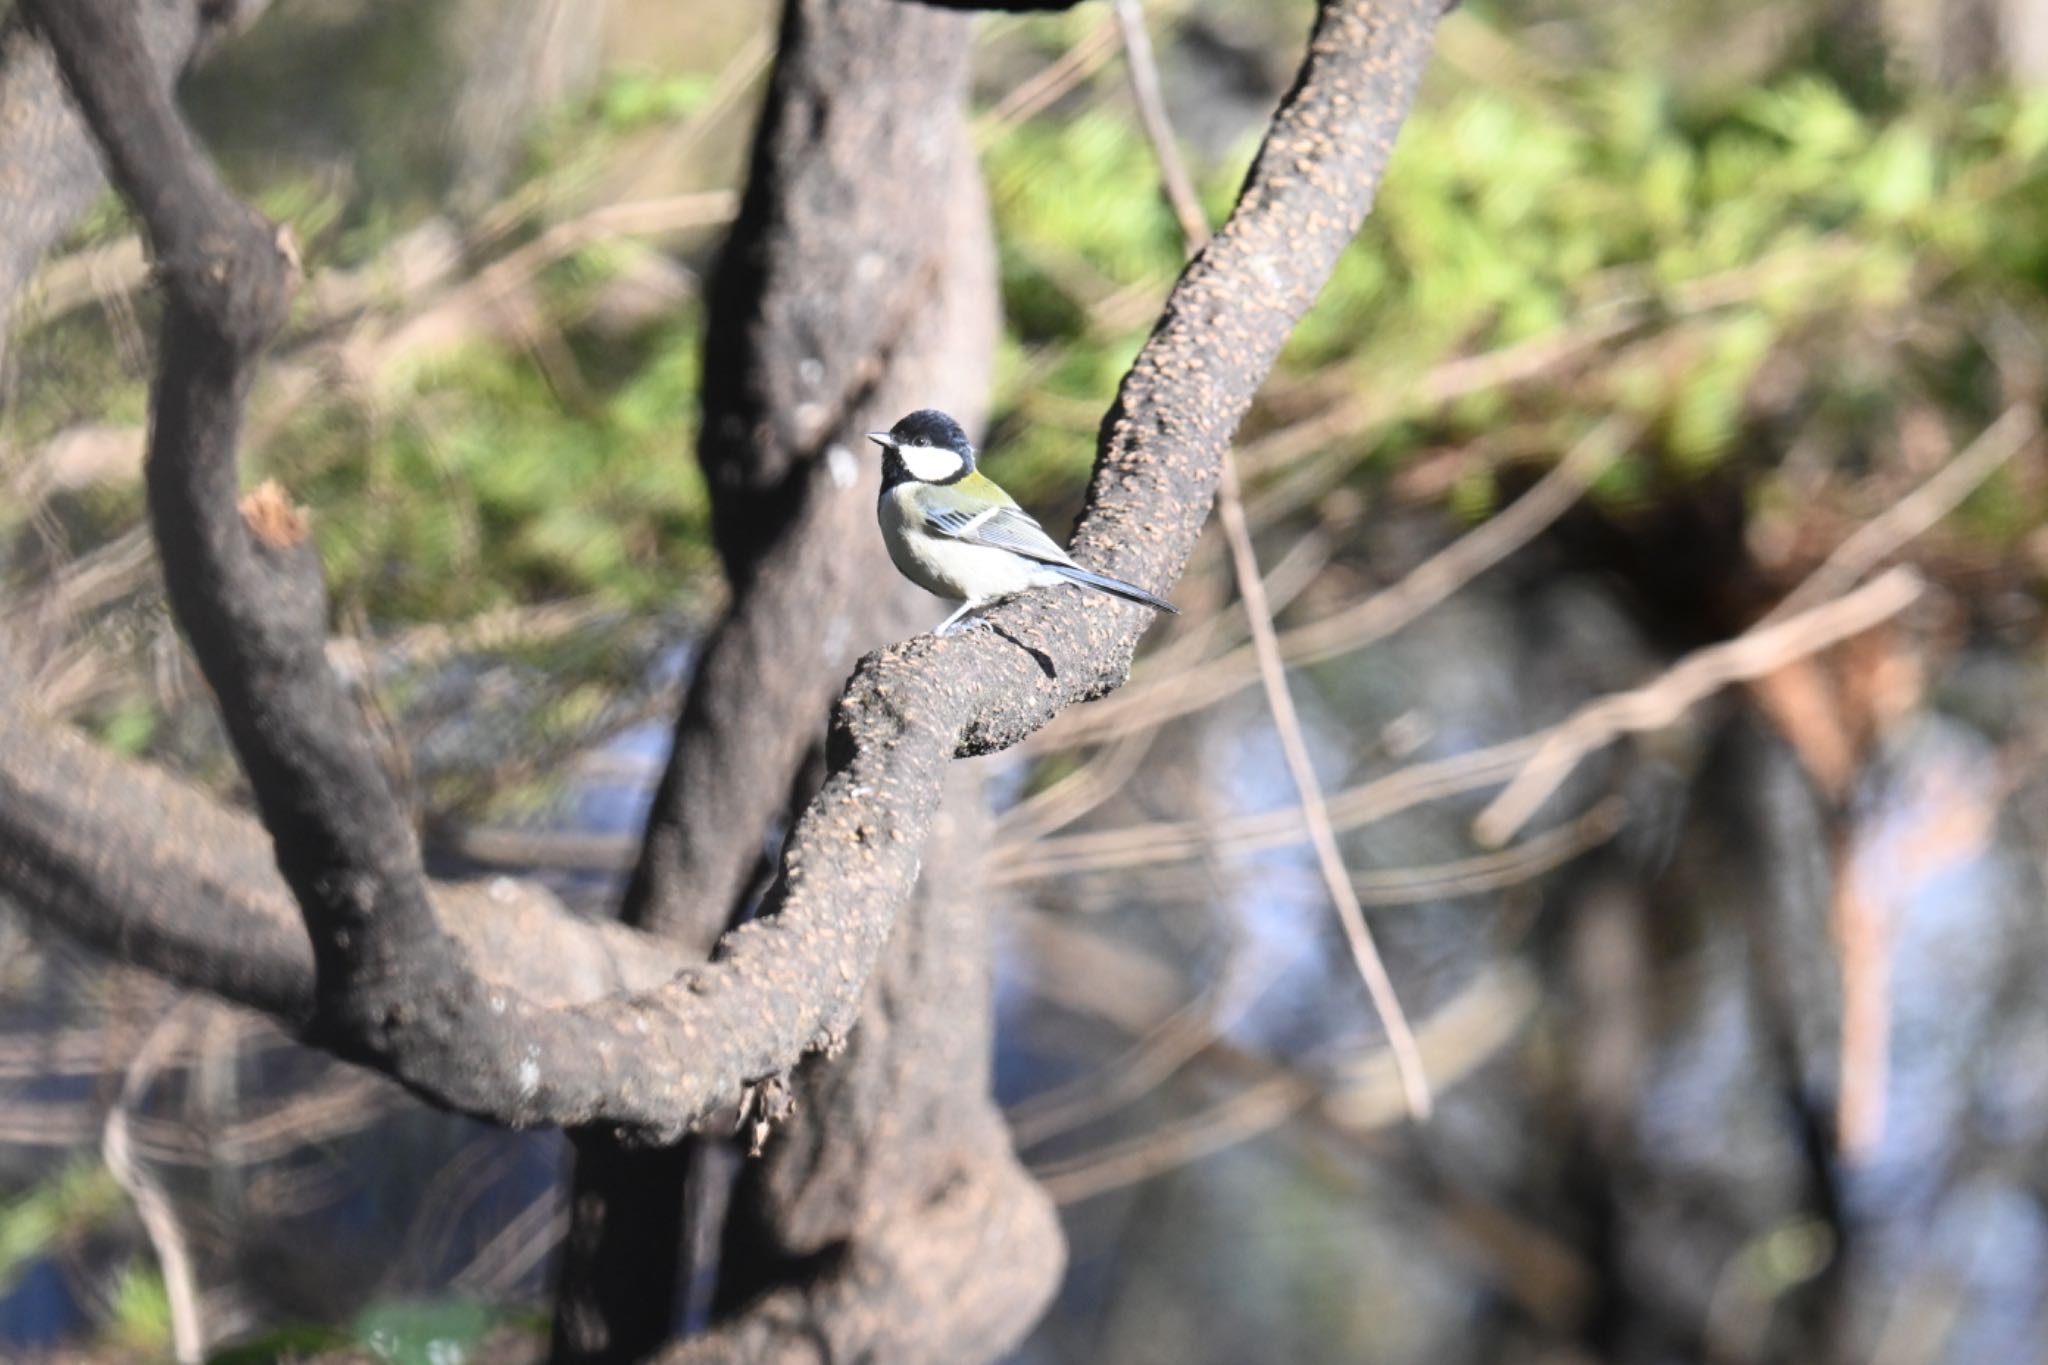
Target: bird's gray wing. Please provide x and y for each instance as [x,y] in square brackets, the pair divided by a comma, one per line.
[1003,528]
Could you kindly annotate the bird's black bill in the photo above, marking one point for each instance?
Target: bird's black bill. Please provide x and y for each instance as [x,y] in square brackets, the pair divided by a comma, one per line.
[883,439]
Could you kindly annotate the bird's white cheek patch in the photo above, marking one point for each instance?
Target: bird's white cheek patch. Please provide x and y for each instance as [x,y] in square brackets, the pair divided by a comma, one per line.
[931,464]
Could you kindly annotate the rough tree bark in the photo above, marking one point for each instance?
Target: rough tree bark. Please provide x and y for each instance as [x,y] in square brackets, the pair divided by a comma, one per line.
[881,195]
[889,1219]
[859,1252]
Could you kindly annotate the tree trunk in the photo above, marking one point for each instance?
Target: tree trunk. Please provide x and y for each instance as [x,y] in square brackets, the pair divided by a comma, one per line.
[880,196]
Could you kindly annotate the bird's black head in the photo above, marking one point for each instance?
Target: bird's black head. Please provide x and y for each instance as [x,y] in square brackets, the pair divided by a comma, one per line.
[927,446]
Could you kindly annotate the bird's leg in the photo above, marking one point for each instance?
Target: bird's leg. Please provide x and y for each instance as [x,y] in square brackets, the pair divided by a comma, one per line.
[946,626]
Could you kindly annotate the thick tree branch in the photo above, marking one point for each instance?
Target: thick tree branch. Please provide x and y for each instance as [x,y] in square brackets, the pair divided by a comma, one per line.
[879,195]
[396,992]
[126,859]
[243,582]
[910,709]
[890,1219]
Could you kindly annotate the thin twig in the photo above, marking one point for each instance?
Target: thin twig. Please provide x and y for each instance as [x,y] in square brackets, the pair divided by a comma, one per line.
[1252,589]
[1156,1058]
[1145,89]
[1914,514]
[1495,871]
[1273,673]
[152,1205]
[1073,66]
[1430,583]
[1461,1036]
[1699,675]
[1088,786]
[1166,841]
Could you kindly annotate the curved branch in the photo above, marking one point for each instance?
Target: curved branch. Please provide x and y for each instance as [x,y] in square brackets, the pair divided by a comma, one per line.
[124,858]
[961,1277]
[396,992]
[881,195]
[910,709]
[890,1218]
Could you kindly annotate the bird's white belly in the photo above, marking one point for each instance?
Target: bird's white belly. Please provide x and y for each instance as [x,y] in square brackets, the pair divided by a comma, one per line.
[952,568]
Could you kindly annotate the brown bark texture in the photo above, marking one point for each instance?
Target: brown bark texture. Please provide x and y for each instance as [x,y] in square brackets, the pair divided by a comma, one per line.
[880,194]
[890,1220]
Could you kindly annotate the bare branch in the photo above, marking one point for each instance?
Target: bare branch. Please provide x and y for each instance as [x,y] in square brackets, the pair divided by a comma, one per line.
[1160,699]
[126,859]
[909,709]
[895,1176]
[1315,812]
[1366,1094]
[1151,101]
[1700,674]
[880,196]
[392,989]
[243,583]
[2016,428]
[884,199]
[1244,560]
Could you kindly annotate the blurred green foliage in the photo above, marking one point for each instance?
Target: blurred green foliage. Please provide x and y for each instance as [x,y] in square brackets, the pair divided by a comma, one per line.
[1742,269]
[67,1205]
[141,1322]
[1859,255]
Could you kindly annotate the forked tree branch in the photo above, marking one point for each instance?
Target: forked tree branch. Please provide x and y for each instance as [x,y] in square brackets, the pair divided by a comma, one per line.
[880,195]
[396,992]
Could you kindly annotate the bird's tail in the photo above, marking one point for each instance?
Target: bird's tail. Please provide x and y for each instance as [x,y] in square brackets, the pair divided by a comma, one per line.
[1115,587]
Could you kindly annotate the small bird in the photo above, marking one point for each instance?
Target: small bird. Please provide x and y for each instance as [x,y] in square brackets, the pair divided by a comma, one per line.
[954,533]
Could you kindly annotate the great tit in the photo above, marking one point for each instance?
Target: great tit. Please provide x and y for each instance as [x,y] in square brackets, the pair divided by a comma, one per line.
[954,533]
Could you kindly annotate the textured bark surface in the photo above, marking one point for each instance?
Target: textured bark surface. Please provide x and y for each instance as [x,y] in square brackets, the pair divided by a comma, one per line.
[789,982]
[863,177]
[892,1222]
[889,1218]
[877,191]
[155,872]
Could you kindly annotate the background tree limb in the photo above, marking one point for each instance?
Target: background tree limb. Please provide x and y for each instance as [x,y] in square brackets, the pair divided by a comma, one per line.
[792,981]
[882,196]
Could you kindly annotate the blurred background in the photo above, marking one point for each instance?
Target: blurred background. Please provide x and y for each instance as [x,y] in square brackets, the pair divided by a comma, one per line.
[1665,312]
